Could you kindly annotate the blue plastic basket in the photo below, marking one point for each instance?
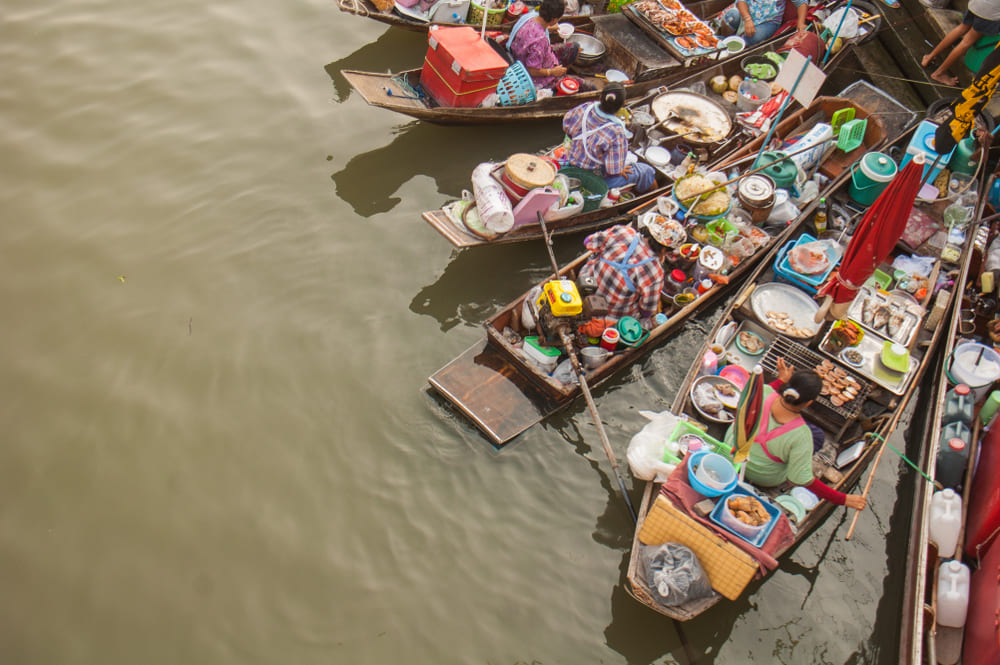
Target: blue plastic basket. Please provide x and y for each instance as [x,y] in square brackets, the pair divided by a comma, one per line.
[516,86]
[808,283]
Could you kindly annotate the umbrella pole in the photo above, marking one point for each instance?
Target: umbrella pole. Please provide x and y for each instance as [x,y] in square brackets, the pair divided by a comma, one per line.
[834,38]
[575,361]
[781,111]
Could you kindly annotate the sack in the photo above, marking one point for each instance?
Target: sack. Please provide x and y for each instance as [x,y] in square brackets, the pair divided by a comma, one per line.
[673,574]
[645,450]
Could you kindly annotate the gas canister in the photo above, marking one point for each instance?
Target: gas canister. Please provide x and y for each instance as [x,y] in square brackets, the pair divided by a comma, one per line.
[562,297]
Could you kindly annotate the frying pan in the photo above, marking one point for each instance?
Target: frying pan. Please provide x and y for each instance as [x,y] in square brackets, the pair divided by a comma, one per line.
[703,120]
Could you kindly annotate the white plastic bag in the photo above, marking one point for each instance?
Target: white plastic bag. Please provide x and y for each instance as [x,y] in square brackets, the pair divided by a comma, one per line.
[645,450]
[495,208]
[848,29]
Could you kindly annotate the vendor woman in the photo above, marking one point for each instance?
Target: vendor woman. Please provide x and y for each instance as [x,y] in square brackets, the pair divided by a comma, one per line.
[626,271]
[783,448]
[758,20]
[530,43]
[598,142]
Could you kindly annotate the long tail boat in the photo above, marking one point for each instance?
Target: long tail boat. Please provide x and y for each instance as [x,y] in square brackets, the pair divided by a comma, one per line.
[971,513]
[860,406]
[709,108]
[411,20]
[503,393]
[645,52]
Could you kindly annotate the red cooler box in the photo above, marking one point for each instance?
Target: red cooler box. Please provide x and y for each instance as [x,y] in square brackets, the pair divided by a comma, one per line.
[460,69]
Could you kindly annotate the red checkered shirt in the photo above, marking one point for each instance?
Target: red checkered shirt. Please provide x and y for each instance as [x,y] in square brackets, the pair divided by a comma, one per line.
[647,279]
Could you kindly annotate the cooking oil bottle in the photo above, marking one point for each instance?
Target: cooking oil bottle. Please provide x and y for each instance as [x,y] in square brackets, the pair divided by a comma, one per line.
[819,221]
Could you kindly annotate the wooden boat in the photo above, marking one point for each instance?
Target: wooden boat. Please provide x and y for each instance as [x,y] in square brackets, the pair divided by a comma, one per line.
[710,152]
[413,21]
[503,393]
[648,55]
[922,640]
[874,409]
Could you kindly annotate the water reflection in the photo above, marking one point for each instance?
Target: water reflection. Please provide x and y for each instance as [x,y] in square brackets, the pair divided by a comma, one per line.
[394,51]
[448,154]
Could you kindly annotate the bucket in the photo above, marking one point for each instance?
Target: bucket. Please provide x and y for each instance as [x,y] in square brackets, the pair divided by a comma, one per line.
[783,173]
[876,171]
[494,16]
[751,94]
[976,365]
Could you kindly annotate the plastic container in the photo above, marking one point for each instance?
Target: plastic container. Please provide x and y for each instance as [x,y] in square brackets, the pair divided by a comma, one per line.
[684,428]
[923,142]
[592,186]
[721,481]
[870,176]
[989,407]
[977,366]
[674,282]
[709,364]
[961,159]
[782,173]
[494,207]
[609,340]
[945,521]
[755,535]
[818,137]
[952,457]
[751,94]
[545,356]
[952,594]
[958,406]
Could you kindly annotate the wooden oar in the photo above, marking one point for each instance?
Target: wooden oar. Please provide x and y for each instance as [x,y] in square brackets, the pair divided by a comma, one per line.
[568,343]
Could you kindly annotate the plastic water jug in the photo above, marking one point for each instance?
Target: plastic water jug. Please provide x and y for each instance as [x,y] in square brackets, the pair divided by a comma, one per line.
[958,406]
[989,407]
[946,521]
[952,594]
[953,454]
[961,159]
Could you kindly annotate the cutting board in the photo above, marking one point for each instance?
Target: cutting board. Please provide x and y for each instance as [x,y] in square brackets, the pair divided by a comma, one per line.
[537,200]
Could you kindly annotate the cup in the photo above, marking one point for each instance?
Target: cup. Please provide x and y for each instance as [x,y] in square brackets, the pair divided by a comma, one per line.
[720,353]
[966,327]
[609,340]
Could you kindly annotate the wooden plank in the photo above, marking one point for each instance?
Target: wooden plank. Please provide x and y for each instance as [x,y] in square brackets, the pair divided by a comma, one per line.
[492,393]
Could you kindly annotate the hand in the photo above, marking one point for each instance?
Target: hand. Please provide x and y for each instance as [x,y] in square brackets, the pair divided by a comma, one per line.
[557,71]
[749,29]
[856,501]
[785,370]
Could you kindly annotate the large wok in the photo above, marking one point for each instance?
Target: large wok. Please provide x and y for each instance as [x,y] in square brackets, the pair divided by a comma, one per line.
[680,112]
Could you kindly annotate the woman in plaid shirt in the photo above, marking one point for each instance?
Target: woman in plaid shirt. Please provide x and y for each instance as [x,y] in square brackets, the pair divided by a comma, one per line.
[598,142]
[627,272]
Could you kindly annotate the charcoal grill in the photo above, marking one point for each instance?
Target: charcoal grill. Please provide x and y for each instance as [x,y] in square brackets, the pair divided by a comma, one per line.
[803,358]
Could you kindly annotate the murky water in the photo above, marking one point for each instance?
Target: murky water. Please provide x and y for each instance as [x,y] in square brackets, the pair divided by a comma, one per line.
[222,307]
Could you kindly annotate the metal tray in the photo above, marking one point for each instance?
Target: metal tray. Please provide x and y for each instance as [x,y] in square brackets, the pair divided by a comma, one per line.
[899,301]
[745,360]
[871,366]
[778,297]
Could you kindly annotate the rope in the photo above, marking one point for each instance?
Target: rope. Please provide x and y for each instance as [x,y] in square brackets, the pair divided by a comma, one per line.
[353,6]
[401,81]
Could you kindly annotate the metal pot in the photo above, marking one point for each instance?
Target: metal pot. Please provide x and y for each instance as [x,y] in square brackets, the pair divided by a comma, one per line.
[591,48]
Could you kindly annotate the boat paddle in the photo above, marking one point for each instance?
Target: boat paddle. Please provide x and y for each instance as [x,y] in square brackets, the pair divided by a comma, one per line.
[575,361]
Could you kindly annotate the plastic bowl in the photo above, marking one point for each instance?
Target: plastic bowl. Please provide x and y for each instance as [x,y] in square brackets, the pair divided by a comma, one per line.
[748,531]
[565,30]
[735,373]
[711,474]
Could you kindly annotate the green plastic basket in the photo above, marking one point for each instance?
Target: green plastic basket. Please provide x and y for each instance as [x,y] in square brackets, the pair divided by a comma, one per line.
[839,117]
[852,134]
[592,186]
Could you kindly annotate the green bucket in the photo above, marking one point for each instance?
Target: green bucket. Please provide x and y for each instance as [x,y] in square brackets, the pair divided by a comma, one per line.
[592,186]
[870,175]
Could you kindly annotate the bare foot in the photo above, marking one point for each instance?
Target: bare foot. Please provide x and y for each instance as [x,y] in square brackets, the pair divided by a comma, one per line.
[944,78]
[926,61]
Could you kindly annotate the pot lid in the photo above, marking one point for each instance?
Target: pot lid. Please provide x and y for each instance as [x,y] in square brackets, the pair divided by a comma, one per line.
[630,329]
[530,171]
[878,166]
[683,111]
[756,189]
[778,170]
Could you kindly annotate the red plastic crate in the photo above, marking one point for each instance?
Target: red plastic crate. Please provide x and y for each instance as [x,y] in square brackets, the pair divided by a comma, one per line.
[460,69]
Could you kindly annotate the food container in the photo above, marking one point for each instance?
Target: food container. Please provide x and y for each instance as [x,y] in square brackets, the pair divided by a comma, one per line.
[870,176]
[759,67]
[706,385]
[710,261]
[756,195]
[735,373]
[545,356]
[751,94]
[711,474]
[755,535]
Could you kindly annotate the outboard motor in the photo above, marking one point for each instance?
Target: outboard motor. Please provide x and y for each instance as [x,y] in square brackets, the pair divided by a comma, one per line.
[560,310]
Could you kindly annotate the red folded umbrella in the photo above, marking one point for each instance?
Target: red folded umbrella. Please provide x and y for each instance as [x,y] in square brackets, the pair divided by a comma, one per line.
[877,233]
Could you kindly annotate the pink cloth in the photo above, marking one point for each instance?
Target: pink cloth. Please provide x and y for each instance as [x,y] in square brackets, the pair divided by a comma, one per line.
[681,494]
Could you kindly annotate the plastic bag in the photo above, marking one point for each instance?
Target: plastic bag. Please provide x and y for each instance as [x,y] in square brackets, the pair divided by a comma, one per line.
[848,29]
[674,574]
[565,374]
[920,266]
[645,450]
[809,258]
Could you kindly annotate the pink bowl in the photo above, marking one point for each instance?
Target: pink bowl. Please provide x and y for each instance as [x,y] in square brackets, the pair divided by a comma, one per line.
[736,374]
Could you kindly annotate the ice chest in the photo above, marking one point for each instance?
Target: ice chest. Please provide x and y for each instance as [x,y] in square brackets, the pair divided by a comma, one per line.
[460,69]
[923,141]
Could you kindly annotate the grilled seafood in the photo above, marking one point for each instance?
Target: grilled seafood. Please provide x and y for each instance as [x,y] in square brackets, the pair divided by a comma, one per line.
[838,386]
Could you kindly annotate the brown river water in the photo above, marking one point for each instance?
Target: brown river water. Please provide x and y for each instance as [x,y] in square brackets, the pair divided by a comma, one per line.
[219,447]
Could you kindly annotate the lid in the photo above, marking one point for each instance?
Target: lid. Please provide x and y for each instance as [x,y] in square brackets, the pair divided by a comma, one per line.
[756,189]
[530,171]
[956,444]
[962,389]
[947,493]
[954,566]
[568,86]
[878,166]
[711,258]
[630,329]
[678,275]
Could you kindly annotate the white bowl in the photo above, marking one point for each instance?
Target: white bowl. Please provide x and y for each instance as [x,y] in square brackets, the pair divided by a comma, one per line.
[615,76]
[657,156]
[565,30]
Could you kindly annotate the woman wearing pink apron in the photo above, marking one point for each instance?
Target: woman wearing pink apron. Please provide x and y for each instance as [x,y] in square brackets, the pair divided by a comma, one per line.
[783,448]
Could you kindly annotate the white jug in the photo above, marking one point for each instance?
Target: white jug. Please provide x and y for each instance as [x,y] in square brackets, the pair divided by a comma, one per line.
[946,521]
[952,594]
[495,208]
